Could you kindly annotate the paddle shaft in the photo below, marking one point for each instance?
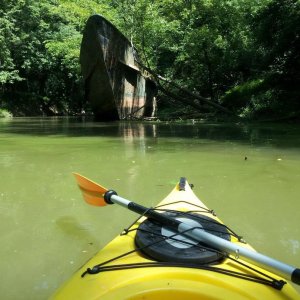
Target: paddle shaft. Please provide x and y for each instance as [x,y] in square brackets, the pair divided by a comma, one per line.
[281,269]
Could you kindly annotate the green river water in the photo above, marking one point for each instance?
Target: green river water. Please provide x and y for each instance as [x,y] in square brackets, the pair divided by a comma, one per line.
[47,231]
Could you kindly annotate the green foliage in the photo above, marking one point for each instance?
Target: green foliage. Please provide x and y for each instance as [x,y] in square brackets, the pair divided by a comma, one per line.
[253,98]
[8,71]
[5,114]
[40,45]
[277,29]
[203,45]
[239,96]
[277,45]
[215,48]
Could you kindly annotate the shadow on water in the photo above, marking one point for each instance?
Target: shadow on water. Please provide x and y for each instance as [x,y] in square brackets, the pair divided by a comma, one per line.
[277,135]
[70,226]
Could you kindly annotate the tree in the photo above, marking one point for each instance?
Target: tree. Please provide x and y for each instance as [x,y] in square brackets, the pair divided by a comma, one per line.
[243,54]
[8,38]
[40,70]
[276,28]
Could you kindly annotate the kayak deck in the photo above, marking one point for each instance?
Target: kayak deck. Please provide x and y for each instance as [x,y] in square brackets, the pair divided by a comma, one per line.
[122,270]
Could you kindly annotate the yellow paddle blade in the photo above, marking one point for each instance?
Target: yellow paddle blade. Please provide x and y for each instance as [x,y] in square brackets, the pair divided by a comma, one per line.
[92,192]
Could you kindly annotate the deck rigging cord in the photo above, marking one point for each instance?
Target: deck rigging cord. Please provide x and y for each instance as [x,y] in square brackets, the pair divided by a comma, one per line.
[97,195]
[260,277]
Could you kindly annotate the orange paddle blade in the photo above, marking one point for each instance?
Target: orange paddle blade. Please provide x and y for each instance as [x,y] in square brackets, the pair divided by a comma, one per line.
[92,192]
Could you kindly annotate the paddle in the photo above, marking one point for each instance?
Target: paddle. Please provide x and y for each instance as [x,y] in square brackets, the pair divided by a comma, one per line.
[97,195]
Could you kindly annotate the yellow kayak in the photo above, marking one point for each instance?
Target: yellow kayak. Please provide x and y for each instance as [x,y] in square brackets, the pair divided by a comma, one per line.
[153,261]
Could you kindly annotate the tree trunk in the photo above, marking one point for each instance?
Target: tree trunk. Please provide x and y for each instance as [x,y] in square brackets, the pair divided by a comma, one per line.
[193,96]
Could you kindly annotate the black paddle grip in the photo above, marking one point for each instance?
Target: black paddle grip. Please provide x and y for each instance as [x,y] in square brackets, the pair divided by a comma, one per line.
[296,276]
[152,214]
[108,195]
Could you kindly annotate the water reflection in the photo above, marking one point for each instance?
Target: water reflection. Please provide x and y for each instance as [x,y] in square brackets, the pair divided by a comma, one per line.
[278,135]
[132,131]
[138,135]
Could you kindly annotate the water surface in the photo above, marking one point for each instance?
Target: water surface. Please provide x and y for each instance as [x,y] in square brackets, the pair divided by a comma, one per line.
[249,174]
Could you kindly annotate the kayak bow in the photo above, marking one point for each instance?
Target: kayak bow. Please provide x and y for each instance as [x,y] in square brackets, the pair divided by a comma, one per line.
[194,244]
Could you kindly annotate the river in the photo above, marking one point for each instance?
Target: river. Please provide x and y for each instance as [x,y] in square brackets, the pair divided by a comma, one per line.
[249,174]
